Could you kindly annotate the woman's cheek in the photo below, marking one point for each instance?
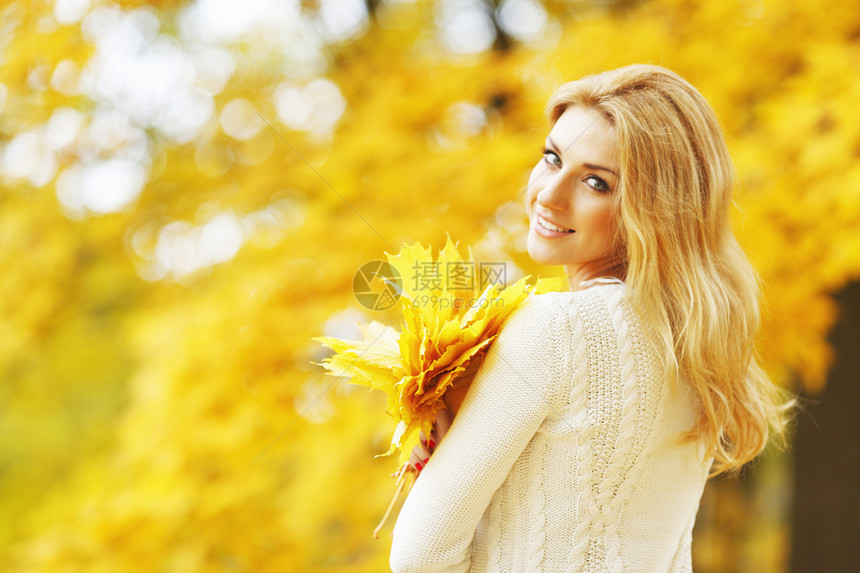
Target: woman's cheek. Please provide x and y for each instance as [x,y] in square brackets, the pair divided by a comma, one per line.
[534,176]
[530,195]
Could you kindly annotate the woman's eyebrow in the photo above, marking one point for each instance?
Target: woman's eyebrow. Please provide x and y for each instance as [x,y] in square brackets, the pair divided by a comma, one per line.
[551,144]
[600,168]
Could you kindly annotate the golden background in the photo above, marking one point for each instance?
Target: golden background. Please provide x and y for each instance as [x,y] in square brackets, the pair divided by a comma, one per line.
[187,190]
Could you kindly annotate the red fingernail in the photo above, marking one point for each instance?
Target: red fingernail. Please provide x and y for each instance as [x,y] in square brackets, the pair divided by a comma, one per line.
[425,461]
[431,444]
[418,466]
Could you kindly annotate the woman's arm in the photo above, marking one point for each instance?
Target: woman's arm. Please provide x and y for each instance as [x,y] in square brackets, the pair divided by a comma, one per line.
[506,403]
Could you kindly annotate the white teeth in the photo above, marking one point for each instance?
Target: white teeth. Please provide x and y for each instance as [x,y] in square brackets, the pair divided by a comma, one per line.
[547,225]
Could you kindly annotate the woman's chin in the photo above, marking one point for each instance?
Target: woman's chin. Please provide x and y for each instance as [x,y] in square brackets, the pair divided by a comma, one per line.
[541,256]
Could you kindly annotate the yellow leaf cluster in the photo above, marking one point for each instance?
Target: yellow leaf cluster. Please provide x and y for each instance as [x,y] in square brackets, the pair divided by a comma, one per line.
[443,339]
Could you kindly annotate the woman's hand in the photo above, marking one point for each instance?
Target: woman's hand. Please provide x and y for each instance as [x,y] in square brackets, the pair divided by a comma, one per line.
[422,452]
[455,395]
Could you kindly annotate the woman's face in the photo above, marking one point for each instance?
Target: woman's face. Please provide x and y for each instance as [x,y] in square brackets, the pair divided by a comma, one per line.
[570,191]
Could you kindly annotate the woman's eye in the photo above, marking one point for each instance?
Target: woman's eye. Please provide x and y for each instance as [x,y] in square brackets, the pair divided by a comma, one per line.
[597,183]
[551,158]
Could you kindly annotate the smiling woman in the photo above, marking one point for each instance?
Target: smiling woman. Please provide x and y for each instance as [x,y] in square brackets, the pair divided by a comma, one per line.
[587,435]
[570,198]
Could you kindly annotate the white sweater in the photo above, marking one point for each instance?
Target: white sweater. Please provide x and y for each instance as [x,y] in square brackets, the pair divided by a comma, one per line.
[565,455]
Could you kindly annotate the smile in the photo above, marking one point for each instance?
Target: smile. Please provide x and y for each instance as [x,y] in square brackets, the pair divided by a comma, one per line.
[547,225]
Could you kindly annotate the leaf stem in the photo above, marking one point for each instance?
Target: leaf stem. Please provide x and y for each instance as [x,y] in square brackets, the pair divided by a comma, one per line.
[401,482]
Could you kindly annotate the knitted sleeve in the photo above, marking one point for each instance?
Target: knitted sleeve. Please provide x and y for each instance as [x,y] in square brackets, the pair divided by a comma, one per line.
[510,396]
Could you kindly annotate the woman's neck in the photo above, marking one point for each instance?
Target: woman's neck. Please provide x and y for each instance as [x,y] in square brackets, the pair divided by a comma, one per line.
[578,275]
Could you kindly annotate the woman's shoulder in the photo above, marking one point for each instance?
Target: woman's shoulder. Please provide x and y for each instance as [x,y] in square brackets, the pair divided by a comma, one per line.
[602,293]
[556,313]
[598,317]
[561,314]
[536,324]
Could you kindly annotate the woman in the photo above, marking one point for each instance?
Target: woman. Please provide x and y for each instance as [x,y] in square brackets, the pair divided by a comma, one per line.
[587,435]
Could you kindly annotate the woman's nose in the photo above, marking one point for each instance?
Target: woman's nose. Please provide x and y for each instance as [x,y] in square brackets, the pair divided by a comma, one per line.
[554,193]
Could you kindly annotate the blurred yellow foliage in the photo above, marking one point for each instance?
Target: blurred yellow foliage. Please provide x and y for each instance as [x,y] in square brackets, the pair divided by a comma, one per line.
[160,411]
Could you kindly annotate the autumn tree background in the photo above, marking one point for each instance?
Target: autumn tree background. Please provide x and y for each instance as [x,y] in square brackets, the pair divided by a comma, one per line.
[189,187]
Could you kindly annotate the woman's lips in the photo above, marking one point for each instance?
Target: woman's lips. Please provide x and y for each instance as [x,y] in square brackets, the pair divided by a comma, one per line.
[547,232]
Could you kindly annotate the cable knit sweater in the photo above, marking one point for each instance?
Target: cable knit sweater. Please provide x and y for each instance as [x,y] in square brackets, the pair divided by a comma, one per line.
[565,455]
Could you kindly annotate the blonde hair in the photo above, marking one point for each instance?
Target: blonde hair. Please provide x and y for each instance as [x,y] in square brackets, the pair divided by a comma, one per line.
[686,273]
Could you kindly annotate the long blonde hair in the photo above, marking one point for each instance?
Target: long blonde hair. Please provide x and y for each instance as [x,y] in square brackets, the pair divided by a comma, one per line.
[686,273]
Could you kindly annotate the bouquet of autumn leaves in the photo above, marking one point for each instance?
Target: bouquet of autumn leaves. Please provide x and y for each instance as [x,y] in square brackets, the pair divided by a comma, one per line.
[438,350]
